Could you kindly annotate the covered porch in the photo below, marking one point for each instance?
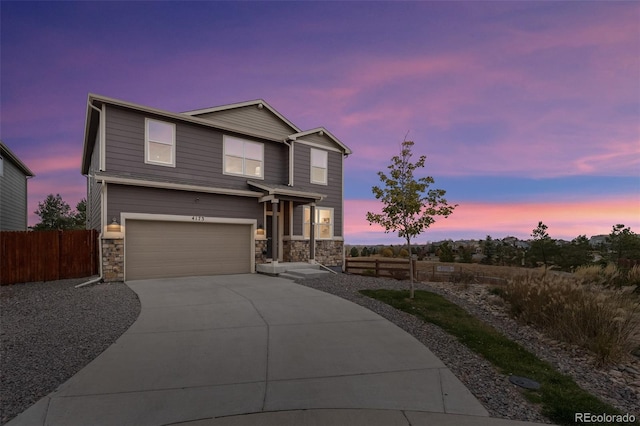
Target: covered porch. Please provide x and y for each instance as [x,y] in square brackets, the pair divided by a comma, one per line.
[281,245]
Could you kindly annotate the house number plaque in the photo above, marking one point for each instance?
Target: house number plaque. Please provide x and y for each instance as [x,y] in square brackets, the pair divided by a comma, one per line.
[197,218]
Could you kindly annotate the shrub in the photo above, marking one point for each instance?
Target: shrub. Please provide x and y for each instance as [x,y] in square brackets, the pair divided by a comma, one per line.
[497,291]
[600,319]
[633,277]
[608,276]
[364,252]
[387,252]
[354,252]
[462,277]
[403,253]
[399,274]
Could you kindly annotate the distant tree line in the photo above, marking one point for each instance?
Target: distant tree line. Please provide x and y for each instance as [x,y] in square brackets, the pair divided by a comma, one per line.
[621,247]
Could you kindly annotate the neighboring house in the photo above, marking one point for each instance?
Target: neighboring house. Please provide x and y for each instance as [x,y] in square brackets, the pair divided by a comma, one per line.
[211,191]
[13,191]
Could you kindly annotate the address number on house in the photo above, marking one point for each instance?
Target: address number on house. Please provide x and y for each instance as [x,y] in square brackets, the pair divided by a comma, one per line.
[197,218]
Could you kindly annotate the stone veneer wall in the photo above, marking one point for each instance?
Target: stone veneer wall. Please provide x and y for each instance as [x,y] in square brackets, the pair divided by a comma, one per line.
[112,259]
[295,250]
[261,248]
[329,252]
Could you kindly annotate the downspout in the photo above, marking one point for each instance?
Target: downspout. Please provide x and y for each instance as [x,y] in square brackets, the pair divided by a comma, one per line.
[99,278]
[290,145]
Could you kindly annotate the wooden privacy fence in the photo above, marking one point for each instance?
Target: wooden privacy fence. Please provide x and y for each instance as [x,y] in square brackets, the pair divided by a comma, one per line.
[380,267]
[47,255]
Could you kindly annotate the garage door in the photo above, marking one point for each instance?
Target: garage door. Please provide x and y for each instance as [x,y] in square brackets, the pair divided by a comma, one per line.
[156,249]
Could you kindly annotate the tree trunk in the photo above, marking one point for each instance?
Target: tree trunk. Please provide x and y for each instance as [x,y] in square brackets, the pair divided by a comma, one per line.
[412,290]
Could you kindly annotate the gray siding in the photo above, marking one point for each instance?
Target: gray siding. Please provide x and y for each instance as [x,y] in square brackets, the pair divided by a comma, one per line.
[333,189]
[13,198]
[252,120]
[131,199]
[320,140]
[198,154]
[93,189]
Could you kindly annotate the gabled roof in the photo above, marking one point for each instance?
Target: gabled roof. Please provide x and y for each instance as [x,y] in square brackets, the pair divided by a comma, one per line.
[257,102]
[7,153]
[323,132]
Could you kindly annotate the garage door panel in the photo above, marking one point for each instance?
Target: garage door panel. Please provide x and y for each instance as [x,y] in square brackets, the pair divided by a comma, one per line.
[155,249]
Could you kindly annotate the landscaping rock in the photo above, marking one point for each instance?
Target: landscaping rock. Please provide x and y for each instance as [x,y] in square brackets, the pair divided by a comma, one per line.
[50,330]
[477,374]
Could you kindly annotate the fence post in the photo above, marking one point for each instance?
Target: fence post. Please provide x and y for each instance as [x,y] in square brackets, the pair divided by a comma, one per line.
[377,268]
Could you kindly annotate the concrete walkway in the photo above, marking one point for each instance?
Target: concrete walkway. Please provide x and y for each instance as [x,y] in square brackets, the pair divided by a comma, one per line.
[253,349]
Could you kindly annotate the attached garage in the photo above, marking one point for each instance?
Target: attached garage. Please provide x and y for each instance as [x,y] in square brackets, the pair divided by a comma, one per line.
[161,249]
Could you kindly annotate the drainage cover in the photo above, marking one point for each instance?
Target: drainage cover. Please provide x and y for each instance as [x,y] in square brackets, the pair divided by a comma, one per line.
[524,382]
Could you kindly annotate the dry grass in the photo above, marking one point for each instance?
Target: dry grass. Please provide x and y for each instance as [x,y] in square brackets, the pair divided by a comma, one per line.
[505,272]
[588,308]
[596,274]
[580,311]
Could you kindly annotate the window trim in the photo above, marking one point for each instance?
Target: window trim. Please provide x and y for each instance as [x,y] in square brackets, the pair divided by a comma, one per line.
[326,167]
[225,139]
[1,166]
[147,150]
[317,236]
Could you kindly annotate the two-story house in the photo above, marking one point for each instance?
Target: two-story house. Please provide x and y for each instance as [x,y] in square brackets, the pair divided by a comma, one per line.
[210,191]
[13,191]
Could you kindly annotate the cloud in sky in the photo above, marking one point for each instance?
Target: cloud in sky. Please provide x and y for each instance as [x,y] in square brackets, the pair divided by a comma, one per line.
[497,92]
[566,220]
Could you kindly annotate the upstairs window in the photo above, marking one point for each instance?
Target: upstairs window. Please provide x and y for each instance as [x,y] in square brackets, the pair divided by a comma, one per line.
[323,223]
[160,143]
[318,166]
[243,158]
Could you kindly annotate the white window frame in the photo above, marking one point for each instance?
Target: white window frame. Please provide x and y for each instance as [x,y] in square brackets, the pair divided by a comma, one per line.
[229,139]
[306,228]
[325,168]
[172,143]
[1,166]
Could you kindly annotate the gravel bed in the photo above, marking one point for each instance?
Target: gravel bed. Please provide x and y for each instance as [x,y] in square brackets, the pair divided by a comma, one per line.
[493,390]
[50,330]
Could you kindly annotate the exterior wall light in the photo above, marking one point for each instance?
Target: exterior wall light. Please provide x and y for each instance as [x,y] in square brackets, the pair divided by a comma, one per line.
[113,226]
[260,230]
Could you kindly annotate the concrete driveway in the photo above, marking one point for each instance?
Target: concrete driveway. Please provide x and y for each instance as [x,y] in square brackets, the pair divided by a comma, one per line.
[211,347]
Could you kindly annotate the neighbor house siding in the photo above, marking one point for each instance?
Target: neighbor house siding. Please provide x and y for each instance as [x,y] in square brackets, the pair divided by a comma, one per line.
[199,154]
[252,120]
[13,198]
[333,189]
[132,199]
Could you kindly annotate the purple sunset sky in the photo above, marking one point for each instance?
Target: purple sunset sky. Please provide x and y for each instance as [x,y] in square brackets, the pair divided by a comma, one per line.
[527,111]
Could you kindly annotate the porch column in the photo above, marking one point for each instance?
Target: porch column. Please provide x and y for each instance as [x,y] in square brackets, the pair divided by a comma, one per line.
[312,233]
[274,230]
